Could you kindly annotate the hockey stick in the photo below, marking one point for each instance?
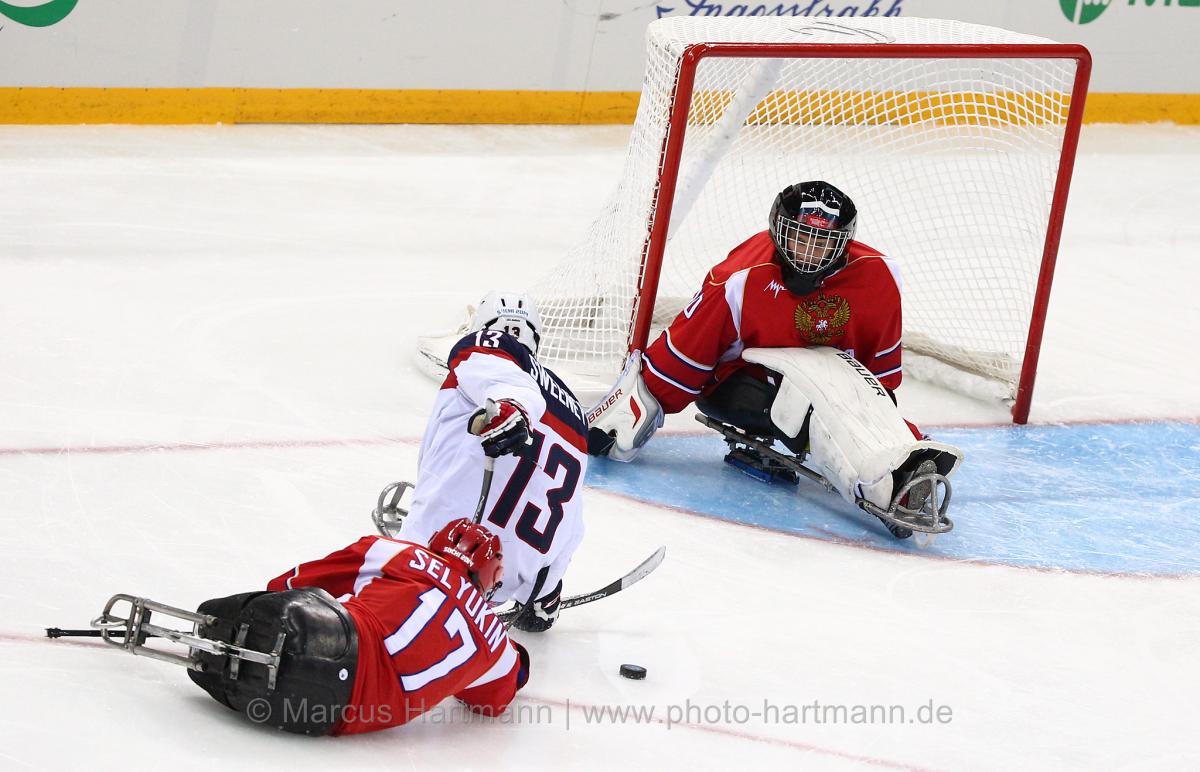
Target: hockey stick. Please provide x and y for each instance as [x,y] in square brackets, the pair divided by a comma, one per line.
[505,615]
[58,632]
[388,515]
[489,466]
[475,426]
[643,570]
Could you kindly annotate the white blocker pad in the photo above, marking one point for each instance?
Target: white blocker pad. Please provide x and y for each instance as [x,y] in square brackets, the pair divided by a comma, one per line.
[857,436]
[629,413]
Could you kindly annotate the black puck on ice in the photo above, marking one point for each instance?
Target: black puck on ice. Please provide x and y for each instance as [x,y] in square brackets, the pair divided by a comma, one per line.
[636,672]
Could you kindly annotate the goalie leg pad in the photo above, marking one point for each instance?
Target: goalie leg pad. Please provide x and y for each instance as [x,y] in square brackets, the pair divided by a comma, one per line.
[316,671]
[858,439]
[622,422]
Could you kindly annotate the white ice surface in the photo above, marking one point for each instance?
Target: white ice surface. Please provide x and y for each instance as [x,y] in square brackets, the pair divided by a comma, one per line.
[247,299]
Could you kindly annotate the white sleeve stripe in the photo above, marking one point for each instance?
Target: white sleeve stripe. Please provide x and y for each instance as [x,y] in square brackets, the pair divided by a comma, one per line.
[295,573]
[887,351]
[377,556]
[498,670]
[894,269]
[673,382]
[735,289]
[684,357]
[889,372]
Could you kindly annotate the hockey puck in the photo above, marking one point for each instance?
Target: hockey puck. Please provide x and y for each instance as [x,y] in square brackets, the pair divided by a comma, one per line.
[636,672]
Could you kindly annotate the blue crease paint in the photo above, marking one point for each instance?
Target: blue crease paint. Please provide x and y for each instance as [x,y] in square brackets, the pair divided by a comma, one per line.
[1108,498]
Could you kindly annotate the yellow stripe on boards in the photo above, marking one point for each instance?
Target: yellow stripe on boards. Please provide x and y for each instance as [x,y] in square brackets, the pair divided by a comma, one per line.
[252,105]
[1142,108]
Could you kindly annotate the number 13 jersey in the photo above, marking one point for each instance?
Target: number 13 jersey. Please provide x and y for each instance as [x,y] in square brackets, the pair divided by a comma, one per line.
[535,502]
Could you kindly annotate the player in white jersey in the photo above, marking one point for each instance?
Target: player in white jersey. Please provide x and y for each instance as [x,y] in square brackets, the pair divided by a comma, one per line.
[539,440]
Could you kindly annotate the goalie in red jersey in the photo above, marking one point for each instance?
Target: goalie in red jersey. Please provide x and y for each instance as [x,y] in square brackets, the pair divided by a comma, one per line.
[795,337]
[369,637]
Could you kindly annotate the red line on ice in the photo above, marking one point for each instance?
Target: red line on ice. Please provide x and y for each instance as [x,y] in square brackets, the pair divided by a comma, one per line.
[721,730]
[366,441]
[188,446]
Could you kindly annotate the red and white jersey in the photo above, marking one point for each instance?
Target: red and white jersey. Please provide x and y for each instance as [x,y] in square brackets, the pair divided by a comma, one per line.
[744,304]
[535,504]
[424,632]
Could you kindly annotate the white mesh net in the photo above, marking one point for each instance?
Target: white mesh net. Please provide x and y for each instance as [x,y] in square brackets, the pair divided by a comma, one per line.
[952,164]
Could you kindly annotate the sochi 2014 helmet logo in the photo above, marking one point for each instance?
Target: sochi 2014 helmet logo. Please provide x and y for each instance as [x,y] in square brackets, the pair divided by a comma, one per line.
[1083,11]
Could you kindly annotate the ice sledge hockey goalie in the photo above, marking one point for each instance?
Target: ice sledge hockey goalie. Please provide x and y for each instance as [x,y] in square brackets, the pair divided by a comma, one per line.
[794,338]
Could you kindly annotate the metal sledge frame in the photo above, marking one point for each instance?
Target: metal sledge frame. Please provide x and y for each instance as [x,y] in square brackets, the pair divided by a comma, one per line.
[932,510]
[136,627]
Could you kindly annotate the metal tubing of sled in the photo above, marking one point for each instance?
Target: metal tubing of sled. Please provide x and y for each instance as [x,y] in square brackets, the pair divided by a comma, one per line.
[762,447]
[941,523]
[388,514]
[136,627]
[935,511]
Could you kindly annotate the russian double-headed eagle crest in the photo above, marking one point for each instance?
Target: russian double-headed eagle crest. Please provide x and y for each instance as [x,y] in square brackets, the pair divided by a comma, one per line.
[822,319]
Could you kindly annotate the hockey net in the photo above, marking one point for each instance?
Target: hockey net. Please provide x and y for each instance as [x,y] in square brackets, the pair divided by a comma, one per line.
[954,140]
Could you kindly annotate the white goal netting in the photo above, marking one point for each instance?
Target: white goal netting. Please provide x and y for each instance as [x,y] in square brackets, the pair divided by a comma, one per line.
[952,161]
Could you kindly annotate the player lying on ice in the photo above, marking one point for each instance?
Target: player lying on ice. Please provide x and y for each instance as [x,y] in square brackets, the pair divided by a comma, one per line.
[370,637]
[795,337]
[536,435]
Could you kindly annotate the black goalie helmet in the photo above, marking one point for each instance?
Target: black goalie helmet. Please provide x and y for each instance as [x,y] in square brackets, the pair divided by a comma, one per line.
[812,224]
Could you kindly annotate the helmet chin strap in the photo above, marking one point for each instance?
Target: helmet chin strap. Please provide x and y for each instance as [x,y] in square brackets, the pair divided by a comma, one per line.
[799,283]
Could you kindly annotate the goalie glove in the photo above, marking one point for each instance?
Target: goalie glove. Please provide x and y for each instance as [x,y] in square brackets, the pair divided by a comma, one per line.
[542,615]
[621,423]
[506,431]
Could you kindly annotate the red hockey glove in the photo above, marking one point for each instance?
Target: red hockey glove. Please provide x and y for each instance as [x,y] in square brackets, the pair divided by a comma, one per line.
[506,432]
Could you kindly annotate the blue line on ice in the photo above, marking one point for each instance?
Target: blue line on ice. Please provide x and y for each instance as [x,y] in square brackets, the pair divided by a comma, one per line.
[1120,498]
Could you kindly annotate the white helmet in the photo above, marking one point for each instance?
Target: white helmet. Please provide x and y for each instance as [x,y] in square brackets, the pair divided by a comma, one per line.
[510,312]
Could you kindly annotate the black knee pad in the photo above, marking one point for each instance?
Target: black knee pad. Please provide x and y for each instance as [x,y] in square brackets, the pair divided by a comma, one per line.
[317,665]
[744,401]
[226,610]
